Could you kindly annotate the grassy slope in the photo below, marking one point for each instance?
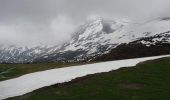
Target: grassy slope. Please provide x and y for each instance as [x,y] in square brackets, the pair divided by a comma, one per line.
[146,81]
[8,71]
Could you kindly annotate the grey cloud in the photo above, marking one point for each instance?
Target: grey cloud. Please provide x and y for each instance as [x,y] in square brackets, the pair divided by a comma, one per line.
[29,22]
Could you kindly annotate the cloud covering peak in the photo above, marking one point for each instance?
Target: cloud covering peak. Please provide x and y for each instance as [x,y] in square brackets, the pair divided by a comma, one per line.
[29,22]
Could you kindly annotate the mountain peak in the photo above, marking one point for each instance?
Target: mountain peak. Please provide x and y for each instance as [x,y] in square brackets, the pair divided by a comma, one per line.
[95,19]
[94,22]
[98,19]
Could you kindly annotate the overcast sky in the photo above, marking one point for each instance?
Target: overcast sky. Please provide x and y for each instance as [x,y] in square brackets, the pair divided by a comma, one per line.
[27,22]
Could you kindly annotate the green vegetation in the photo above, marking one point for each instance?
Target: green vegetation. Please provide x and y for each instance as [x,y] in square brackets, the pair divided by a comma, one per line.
[147,81]
[8,71]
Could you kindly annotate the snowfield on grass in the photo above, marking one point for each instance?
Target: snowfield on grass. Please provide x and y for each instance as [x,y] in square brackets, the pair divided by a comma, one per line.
[30,82]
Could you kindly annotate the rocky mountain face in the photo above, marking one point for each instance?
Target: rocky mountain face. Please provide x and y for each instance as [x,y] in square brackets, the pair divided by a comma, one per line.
[94,39]
[158,44]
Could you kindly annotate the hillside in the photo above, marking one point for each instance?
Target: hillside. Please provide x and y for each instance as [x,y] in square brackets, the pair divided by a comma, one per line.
[143,47]
[33,81]
[147,81]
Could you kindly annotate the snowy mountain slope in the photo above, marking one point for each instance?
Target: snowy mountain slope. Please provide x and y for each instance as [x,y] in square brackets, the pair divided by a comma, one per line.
[95,38]
[161,38]
[100,36]
[146,29]
[97,32]
[158,44]
[15,54]
[33,81]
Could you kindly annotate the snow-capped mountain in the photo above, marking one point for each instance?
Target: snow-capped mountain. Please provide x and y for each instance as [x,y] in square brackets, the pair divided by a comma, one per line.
[95,38]
[22,54]
[92,39]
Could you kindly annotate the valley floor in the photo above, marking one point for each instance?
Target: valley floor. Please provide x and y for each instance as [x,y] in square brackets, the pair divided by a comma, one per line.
[33,81]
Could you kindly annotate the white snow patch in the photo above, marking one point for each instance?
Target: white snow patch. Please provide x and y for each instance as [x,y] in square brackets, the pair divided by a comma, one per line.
[28,83]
